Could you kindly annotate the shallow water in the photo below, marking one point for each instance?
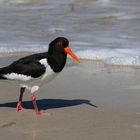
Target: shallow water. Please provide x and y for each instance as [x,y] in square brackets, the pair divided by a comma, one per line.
[106,30]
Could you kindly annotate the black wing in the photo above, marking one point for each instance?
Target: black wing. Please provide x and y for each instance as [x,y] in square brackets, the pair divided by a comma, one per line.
[28,65]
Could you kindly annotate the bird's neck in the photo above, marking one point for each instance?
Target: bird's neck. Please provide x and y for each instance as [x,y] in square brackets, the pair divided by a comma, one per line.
[57,62]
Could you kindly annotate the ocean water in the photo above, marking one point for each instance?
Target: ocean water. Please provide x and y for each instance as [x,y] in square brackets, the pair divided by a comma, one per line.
[106,30]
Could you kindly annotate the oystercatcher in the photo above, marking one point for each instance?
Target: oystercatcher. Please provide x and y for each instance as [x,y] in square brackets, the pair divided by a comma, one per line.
[32,70]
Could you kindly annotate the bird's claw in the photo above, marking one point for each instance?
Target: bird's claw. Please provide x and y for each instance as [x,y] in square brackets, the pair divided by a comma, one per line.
[19,107]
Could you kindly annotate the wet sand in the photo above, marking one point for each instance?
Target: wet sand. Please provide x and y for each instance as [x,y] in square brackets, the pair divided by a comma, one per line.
[84,102]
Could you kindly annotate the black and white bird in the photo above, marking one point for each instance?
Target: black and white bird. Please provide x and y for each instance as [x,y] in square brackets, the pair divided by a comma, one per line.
[32,70]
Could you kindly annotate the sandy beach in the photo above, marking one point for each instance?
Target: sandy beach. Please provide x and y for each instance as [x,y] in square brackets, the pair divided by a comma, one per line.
[88,101]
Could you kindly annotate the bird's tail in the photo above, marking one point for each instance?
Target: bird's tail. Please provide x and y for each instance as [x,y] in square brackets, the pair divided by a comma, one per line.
[1,74]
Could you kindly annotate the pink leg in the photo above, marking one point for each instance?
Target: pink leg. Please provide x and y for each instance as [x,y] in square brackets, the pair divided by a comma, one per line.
[19,105]
[33,98]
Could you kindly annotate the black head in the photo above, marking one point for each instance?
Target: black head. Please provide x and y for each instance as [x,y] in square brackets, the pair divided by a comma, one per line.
[58,45]
[58,50]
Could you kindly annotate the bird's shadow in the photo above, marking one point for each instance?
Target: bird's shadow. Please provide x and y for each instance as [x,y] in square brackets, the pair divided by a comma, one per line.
[45,104]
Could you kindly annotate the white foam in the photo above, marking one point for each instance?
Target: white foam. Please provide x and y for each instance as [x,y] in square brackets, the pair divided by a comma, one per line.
[118,56]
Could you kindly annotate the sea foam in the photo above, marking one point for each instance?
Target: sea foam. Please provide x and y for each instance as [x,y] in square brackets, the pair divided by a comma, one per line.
[112,56]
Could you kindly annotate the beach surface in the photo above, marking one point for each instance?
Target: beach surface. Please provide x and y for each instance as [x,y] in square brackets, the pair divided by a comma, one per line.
[87,101]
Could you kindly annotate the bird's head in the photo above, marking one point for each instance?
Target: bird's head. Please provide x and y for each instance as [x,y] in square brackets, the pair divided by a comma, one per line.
[61,45]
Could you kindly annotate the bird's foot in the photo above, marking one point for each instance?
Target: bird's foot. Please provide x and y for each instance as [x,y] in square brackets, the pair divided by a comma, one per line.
[19,107]
[38,113]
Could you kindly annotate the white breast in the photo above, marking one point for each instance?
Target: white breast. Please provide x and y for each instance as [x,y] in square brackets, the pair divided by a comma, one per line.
[44,62]
[49,73]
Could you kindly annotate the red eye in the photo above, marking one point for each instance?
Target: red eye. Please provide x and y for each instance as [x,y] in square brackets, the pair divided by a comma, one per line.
[60,43]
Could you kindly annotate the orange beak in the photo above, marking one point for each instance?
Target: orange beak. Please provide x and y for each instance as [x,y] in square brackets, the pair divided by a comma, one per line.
[69,51]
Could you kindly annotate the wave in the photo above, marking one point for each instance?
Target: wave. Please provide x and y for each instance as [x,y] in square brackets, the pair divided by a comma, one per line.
[111,56]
